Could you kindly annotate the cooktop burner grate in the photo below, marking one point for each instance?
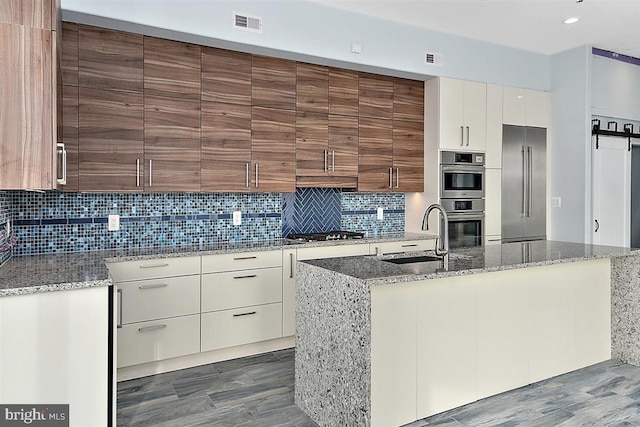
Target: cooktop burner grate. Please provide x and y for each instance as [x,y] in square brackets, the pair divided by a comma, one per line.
[331,235]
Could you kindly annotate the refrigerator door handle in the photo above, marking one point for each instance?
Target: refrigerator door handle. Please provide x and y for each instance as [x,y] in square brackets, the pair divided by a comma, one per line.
[530,177]
[524,183]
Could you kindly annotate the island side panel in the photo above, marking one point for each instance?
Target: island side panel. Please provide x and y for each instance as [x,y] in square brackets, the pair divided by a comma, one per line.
[333,347]
[625,309]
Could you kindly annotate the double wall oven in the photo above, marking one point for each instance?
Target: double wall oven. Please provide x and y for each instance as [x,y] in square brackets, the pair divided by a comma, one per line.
[462,186]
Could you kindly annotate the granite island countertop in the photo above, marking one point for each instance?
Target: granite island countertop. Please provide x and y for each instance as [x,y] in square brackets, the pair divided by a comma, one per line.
[29,274]
[376,270]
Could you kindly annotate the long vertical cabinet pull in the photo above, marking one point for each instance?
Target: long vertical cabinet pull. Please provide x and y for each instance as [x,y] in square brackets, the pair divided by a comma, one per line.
[530,188]
[246,175]
[326,156]
[256,175]
[291,265]
[390,177]
[137,172]
[468,135]
[333,160]
[461,136]
[523,208]
[397,177]
[119,316]
[150,173]
[63,153]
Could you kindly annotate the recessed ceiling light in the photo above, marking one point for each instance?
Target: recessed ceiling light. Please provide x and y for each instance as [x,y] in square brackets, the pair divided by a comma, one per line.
[571,20]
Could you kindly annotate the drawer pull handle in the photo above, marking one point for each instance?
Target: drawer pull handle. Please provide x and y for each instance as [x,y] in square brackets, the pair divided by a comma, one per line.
[245,277]
[151,328]
[244,257]
[245,314]
[410,246]
[166,264]
[157,285]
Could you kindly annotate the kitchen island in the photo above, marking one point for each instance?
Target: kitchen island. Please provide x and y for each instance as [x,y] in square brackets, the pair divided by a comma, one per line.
[384,344]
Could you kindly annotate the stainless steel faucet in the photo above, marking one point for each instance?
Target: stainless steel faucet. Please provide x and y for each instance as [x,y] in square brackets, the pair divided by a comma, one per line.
[442,242]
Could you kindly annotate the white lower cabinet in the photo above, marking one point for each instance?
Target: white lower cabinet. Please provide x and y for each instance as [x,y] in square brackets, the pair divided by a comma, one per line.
[493,207]
[222,291]
[383,248]
[157,340]
[239,326]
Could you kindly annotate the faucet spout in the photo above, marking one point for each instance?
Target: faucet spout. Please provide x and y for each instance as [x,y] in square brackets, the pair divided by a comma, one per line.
[442,244]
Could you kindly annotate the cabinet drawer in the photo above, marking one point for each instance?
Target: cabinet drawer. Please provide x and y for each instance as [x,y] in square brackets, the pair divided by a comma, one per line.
[157,340]
[333,251]
[154,268]
[144,300]
[241,261]
[229,328]
[407,246]
[233,289]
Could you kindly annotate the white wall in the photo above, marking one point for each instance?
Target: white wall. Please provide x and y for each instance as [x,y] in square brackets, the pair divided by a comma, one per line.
[569,150]
[316,33]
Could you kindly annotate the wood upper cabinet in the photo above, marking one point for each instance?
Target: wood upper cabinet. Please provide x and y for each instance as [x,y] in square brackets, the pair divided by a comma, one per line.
[272,150]
[171,115]
[408,100]
[408,156]
[31,13]
[110,59]
[69,117]
[375,154]
[312,88]
[226,120]
[343,92]
[27,97]
[312,143]
[273,83]
[111,140]
[375,96]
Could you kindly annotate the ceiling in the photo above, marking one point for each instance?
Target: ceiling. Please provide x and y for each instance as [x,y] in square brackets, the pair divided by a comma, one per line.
[531,25]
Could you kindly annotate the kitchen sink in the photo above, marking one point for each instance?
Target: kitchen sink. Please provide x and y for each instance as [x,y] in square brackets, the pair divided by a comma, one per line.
[414,259]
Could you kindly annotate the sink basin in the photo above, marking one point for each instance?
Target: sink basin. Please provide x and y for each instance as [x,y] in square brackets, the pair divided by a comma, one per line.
[414,259]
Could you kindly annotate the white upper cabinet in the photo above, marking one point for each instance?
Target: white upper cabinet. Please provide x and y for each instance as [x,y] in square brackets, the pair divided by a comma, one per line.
[525,107]
[493,157]
[463,114]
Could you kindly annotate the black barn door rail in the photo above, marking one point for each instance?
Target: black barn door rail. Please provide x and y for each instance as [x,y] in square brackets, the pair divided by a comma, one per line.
[626,133]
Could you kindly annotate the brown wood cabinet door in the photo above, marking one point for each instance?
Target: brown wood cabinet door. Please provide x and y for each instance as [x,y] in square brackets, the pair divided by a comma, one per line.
[69,58]
[312,144]
[171,69]
[110,59]
[171,144]
[273,150]
[408,156]
[343,146]
[70,135]
[226,147]
[226,76]
[27,96]
[375,96]
[312,88]
[375,154]
[408,100]
[32,13]
[111,140]
[343,92]
[273,83]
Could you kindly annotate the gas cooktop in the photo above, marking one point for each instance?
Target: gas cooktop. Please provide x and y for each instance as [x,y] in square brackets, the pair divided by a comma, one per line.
[319,237]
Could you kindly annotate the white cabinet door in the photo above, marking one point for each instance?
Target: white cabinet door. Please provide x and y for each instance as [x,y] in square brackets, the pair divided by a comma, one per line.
[393,354]
[493,156]
[241,261]
[446,348]
[611,193]
[513,106]
[537,108]
[233,289]
[525,107]
[493,204]
[475,116]
[403,246]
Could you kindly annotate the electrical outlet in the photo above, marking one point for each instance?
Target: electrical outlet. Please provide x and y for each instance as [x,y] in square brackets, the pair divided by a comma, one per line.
[114,222]
[237,218]
[380,213]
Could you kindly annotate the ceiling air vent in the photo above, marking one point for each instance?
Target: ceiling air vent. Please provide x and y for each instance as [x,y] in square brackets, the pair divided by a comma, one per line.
[243,21]
[431,58]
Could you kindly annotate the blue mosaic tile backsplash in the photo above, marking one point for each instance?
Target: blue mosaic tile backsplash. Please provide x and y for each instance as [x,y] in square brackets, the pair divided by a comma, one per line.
[54,222]
[5,216]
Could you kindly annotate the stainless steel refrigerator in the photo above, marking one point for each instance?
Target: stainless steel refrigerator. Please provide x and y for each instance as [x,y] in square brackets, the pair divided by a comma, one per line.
[524,171]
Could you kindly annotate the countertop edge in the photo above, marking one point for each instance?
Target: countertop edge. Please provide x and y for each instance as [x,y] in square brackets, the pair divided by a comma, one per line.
[29,290]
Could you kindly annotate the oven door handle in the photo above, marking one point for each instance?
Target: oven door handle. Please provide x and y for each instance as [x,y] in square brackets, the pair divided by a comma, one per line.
[457,217]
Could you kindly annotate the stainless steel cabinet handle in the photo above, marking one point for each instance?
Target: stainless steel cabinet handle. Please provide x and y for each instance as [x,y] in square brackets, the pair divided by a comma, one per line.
[119,295]
[251,276]
[256,175]
[461,136]
[151,328]
[333,160]
[326,155]
[597,226]
[530,188]
[137,172]
[244,314]
[246,175]
[397,177]
[524,183]
[154,286]
[390,177]
[63,152]
[150,173]
[468,135]
[244,257]
[155,265]
[410,245]
[291,265]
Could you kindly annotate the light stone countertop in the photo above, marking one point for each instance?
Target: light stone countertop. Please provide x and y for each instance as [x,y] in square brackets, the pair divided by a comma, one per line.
[30,274]
[376,271]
